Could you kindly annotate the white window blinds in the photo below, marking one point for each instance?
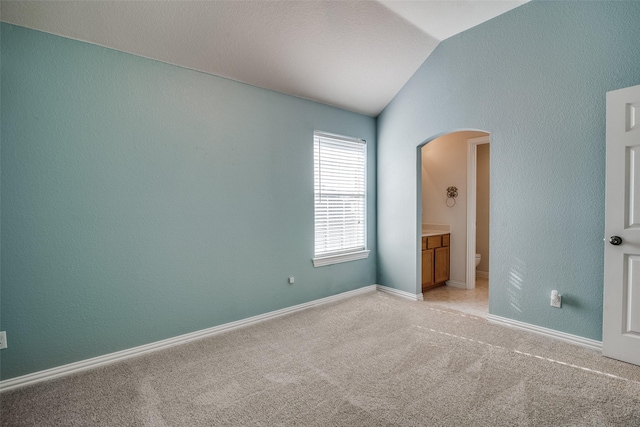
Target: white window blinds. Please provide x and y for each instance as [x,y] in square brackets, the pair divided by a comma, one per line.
[339,187]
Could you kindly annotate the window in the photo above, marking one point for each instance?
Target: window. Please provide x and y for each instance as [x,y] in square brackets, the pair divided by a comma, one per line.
[339,165]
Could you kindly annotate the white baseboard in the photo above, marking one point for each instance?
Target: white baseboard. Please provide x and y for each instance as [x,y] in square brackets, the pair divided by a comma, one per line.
[552,333]
[482,274]
[398,292]
[106,359]
[455,284]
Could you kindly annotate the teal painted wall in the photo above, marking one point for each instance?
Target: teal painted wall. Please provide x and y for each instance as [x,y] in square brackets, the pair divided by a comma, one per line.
[535,78]
[142,201]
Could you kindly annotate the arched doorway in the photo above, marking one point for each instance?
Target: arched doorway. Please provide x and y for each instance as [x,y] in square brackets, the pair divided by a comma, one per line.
[449,231]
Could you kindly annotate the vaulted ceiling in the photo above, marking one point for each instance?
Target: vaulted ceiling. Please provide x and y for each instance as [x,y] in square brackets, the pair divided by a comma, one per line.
[351,54]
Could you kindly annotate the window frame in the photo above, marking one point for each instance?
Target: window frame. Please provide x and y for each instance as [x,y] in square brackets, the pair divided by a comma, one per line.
[334,257]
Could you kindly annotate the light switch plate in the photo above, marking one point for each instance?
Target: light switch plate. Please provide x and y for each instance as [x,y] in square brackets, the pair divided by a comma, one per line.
[3,340]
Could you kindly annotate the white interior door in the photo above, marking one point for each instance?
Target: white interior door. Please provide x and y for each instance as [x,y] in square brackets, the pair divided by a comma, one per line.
[621,315]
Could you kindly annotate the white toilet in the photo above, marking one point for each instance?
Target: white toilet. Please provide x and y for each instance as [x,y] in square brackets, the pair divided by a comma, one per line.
[478,258]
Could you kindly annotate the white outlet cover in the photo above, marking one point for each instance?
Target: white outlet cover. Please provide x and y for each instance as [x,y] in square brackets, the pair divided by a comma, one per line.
[3,340]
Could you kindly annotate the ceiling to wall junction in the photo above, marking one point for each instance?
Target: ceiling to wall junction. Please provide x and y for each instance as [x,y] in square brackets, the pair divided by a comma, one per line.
[351,54]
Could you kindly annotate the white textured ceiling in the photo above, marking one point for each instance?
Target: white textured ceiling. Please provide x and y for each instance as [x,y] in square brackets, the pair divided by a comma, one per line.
[352,54]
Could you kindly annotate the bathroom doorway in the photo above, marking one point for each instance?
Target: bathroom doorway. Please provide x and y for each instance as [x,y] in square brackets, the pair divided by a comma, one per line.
[478,210]
[451,184]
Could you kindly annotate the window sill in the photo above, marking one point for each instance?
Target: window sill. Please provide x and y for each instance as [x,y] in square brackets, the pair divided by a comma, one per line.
[335,259]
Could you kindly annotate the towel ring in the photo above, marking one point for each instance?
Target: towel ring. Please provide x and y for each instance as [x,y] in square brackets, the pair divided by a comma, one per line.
[452,193]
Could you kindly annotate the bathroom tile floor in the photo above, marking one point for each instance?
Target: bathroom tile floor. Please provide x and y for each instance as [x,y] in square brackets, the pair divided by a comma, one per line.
[470,301]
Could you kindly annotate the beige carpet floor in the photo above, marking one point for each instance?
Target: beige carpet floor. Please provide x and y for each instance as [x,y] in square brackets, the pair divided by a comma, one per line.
[370,360]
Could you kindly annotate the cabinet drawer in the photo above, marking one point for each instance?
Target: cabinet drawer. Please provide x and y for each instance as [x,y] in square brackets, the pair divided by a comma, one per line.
[434,242]
[445,239]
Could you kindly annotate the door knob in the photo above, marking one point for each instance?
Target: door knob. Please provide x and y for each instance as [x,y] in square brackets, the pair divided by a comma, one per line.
[615,240]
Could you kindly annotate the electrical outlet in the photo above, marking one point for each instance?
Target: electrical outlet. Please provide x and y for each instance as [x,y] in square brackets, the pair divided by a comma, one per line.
[292,280]
[3,340]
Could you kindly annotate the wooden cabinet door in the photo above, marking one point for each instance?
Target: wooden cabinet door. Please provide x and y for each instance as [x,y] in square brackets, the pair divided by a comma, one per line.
[427,269]
[441,265]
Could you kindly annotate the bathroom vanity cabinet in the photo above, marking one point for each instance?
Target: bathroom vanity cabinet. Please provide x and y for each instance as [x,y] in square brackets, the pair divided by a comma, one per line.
[435,260]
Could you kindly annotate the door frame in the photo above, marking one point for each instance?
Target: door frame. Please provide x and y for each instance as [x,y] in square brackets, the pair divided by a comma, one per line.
[472,169]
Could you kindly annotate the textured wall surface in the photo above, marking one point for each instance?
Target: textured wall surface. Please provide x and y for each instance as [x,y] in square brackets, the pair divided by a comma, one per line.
[444,164]
[535,78]
[142,201]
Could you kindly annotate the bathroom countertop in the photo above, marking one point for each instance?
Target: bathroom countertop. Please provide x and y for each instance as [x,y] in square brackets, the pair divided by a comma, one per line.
[429,233]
